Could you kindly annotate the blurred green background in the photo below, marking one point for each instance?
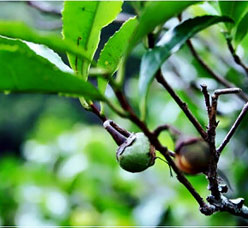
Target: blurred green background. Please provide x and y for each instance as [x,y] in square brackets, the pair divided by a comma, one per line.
[58,165]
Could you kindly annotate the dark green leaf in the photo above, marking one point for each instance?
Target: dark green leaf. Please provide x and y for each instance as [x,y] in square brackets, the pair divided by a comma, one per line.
[154,14]
[234,10]
[171,42]
[114,50]
[82,24]
[242,30]
[22,71]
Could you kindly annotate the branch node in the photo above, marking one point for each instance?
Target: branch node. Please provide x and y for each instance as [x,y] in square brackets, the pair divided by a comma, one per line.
[239,202]
[223,188]
[207,209]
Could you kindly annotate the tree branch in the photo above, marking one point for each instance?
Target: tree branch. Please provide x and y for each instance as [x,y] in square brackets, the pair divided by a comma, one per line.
[212,125]
[207,98]
[181,104]
[94,109]
[165,127]
[233,128]
[218,78]
[236,58]
[235,207]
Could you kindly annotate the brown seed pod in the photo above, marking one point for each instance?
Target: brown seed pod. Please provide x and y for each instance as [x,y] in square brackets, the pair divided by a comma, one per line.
[192,156]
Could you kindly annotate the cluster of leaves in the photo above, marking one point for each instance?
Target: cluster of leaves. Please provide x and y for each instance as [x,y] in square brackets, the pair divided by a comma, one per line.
[82,24]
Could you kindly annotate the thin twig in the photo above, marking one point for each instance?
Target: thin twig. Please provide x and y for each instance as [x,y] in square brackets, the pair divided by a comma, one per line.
[218,78]
[236,58]
[219,92]
[94,109]
[181,104]
[165,127]
[207,98]
[212,117]
[233,128]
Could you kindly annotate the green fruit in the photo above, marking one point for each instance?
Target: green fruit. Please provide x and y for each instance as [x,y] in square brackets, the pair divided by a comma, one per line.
[136,154]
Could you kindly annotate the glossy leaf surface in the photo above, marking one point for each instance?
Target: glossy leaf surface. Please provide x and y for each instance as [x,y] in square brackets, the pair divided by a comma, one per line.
[23,71]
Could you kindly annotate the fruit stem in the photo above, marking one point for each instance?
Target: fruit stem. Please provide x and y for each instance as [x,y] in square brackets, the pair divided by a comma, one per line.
[119,134]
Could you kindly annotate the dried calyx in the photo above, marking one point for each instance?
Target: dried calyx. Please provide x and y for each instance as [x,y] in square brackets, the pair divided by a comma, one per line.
[135,153]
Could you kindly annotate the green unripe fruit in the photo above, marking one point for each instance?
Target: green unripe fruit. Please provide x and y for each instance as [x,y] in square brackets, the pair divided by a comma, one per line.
[136,154]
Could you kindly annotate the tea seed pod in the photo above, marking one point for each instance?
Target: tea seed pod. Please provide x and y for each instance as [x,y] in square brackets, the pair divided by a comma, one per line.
[135,153]
[192,156]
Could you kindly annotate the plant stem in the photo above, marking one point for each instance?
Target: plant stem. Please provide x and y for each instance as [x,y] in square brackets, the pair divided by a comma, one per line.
[218,78]
[233,128]
[94,109]
[236,58]
[207,98]
[181,104]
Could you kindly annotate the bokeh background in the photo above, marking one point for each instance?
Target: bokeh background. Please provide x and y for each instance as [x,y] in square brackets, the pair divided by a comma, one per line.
[58,165]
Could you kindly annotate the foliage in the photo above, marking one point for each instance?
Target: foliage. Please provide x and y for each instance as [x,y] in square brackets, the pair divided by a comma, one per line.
[63,170]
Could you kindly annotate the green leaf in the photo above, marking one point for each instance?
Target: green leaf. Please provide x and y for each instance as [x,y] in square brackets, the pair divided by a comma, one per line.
[137,5]
[50,55]
[19,30]
[234,10]
[114,50]
[171,42]
[242,30]
[154,14]
[82,24]
[22,71]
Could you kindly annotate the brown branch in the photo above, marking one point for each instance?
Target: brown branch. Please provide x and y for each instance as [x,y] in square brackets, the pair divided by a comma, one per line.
[207,98]
[219,92]
[212,169]
[94,110]
[213,111]
[233,128]
[166,127]
[181,104]
[212,117]
[235,206]
[218,78]
[212,125]
[236,58]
